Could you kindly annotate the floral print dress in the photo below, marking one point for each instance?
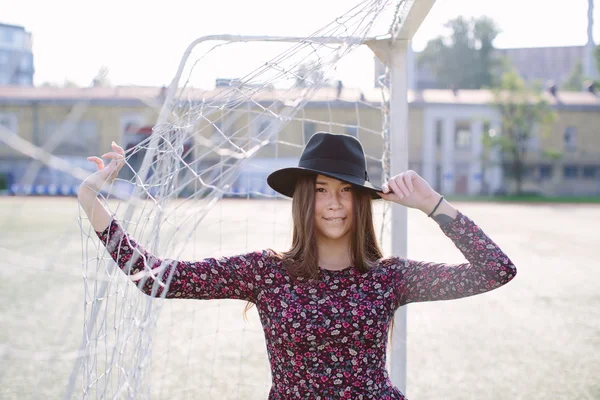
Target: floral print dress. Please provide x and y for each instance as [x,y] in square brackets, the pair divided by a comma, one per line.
[326,338]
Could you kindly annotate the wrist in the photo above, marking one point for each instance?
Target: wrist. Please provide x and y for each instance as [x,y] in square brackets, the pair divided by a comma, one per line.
[87,189]
[430,202]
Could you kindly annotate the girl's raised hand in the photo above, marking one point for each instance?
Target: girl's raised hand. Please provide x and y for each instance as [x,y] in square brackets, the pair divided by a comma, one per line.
[106,174]
[410,190]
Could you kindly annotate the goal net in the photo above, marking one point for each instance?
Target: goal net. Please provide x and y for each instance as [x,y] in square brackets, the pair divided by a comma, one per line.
[194,186]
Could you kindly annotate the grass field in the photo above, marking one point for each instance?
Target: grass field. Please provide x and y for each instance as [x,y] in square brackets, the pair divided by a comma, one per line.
[536,338]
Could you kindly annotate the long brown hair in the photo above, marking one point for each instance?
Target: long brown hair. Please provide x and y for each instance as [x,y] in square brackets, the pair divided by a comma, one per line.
[302,260]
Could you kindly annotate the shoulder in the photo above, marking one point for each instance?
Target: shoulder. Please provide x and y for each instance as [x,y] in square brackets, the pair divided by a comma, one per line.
[392,262]
[267,259]
[259,258]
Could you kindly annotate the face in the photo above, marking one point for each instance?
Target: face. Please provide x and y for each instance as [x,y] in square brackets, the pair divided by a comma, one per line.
[333,208]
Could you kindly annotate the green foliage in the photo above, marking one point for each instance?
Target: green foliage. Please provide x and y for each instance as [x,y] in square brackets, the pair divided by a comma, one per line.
[3,181]
[464,59]
[576,79]
[552,154]
[523,110]
[309,73]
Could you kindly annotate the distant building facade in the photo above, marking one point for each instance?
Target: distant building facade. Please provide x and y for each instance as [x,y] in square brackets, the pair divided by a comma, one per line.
[16,57]
[445,133]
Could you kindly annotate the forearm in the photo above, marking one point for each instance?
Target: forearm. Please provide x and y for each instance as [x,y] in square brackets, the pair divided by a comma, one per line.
[98,215]
[487,267]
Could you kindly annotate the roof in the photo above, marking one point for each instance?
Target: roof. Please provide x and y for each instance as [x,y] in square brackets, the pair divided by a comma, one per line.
[19,27]
[137,95]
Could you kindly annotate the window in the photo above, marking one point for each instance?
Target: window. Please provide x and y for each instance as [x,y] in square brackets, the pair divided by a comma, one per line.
[9,121]
[73,139]
[131,123]
[570,138]
[309,129]
[25,80]
[462,132]
[545,172]
[266,129]
[463,139]
[351,130]
[438,132]
[130,126]
[570,171]
[25,63]
[8,36]
[591,171]
[528,172]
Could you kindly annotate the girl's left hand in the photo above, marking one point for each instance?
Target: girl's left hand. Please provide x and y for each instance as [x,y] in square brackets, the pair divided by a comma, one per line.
[410,190]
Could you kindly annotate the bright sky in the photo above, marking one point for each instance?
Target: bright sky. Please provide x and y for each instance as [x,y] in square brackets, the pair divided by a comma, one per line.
[141,42]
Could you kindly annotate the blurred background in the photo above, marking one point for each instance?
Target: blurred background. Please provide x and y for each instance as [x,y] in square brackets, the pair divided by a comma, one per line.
[114,62]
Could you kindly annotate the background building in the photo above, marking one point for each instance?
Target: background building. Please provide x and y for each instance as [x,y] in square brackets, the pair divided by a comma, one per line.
[445,134]
[16,58]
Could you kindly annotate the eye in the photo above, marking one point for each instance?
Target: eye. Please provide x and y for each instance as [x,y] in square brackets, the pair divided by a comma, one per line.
[347,189]
[320,190]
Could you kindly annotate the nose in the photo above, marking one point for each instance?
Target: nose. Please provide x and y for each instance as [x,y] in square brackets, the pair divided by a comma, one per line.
[334,202]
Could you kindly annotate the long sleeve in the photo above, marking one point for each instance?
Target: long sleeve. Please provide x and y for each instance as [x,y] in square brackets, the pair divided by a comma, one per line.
[487,268]
[236,277]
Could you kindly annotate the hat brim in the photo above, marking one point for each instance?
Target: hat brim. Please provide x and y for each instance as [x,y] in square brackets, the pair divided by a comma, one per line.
[284,180]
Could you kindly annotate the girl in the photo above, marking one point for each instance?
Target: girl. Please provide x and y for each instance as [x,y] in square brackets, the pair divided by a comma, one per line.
[327,303]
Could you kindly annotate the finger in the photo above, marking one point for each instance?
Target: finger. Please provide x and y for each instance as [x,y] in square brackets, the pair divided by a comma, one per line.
[98,161]
[385,188]
[386,196]
[399,179]
[408,177]
[117,148]
[402,185]
[395,188]
[112,154]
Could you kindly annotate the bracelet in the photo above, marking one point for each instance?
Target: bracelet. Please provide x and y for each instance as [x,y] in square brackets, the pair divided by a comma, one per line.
[436,207]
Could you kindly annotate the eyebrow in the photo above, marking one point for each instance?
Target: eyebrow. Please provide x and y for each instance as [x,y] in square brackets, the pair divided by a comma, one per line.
[325,183]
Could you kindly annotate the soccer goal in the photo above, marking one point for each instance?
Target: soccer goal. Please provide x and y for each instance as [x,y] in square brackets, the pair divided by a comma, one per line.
[196,187]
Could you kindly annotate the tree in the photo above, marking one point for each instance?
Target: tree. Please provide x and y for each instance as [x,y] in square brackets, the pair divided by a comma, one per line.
[66,84]
[101,78]
[465,58]
[309,73]
[597,57]
[523,110]
[576,79]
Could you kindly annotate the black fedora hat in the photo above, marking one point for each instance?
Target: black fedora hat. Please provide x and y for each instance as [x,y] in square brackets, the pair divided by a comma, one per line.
[334,155]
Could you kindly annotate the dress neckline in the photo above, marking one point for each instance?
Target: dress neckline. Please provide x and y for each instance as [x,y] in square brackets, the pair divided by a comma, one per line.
[336,271]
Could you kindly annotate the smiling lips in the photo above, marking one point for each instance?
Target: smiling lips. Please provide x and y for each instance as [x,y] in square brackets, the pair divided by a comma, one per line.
[335,219]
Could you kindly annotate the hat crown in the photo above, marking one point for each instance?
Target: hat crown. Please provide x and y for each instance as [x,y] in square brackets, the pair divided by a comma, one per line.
[338,156]
[331,146]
